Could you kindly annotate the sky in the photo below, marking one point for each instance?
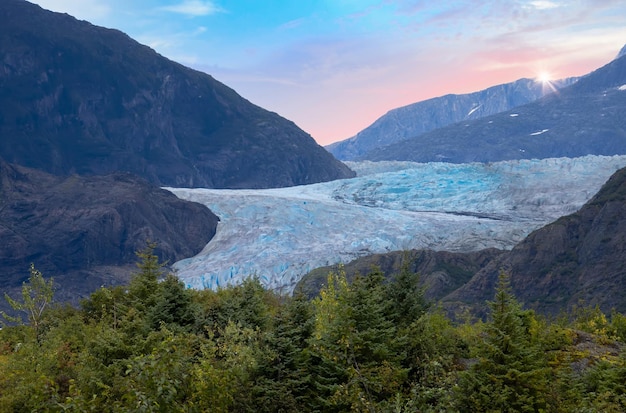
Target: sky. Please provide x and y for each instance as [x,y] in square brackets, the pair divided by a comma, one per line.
[334,66]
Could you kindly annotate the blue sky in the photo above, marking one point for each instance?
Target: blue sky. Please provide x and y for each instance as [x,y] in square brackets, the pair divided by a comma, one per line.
[335,66]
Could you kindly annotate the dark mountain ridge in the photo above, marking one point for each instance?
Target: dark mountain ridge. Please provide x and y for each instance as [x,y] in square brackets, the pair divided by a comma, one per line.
[84,231]
[77,98]
[586,118]
[441,272]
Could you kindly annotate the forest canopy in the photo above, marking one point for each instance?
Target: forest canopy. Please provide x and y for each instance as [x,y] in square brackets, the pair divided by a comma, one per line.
[371,345]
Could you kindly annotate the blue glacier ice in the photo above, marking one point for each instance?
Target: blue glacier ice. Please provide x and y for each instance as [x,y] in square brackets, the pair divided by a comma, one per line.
[280,234]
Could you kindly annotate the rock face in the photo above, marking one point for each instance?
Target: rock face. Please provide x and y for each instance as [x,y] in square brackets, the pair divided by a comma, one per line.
[84,232]
[580,257]
[77,98]
[421,117]
[441,272]
[586,118]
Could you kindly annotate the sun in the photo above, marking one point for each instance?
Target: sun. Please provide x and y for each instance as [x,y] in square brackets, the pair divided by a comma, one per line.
[544,77]
[546,80]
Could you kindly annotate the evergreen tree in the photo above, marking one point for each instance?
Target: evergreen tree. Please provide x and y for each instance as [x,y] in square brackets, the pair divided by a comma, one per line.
[247,304]
[405,296]
[173,306]
[511,374]
[144,283]
[283,382]
[354,340]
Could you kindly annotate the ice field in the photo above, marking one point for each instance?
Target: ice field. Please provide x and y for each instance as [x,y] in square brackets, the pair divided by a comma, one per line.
[280,234]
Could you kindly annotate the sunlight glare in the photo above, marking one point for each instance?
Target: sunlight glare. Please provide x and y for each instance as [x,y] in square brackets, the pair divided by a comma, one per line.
[544,77]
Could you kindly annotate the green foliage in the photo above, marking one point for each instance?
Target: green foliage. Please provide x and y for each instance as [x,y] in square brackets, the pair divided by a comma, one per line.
[37,296]
[283,381]
[144,284]
[594,321]
[247,305]
[354,340]
[160,381]
[511,374]
[368,346]
[173,306]
[405,297]
[604,386]
[433,347]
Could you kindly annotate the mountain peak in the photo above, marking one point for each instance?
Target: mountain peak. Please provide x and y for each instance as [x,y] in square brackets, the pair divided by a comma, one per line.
[621,52]
[102,102]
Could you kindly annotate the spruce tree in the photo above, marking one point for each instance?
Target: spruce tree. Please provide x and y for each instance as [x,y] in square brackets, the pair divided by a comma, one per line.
[358,365]
[511,374]
[405,297]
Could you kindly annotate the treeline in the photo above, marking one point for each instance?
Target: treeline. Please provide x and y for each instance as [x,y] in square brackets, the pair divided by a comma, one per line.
[368,346]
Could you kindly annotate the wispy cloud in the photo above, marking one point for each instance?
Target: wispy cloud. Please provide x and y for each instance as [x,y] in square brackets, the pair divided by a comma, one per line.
[171,41]
[91,10]
[292,24]
[194,8]
[543,4]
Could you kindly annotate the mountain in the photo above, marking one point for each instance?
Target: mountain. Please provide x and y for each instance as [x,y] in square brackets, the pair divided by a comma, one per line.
[415,119]
[441,272]
[84,231]
[580,258]
[584,118]
[77,98]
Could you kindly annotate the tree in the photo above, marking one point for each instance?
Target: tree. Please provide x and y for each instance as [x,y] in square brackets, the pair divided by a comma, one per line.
[511,374]
[173,306]
[354,340]
[144,284]
[283,382]
[37,295]
[405,297]
[247,304]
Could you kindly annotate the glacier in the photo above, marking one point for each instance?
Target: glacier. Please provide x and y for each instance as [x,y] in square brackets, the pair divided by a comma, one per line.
[278,235]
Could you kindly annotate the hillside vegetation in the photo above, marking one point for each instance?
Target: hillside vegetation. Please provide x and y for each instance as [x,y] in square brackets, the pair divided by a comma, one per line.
[367,346]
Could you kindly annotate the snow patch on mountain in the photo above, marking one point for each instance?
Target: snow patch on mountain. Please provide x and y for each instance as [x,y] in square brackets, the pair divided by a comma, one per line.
[541,132]
[280,234]
[474,109]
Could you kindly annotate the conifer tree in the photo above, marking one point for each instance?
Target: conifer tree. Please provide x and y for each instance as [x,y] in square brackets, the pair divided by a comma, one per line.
[173,306]
[354,337]
[511,373]
[405,296]
[144,284]
[284,379]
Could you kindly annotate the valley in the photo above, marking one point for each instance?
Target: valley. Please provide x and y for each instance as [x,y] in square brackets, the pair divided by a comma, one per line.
[169,245]
[281,234]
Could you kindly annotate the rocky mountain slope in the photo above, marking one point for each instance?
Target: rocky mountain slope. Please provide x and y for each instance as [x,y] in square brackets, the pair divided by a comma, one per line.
[584,118]
[77,98]
[84,231]
[579,258]
[421,117]
[441,272]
